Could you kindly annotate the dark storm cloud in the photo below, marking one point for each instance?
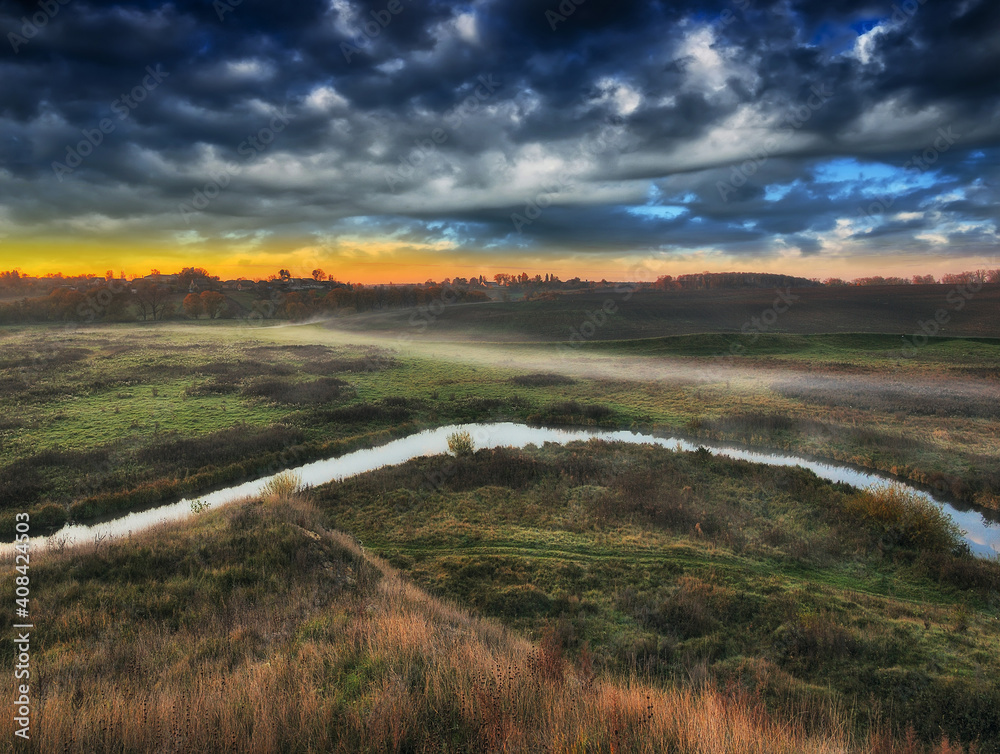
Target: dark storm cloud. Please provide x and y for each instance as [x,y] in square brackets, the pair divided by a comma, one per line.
[392,130]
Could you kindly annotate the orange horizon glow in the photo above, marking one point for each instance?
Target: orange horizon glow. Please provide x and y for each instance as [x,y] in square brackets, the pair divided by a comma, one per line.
[372,263]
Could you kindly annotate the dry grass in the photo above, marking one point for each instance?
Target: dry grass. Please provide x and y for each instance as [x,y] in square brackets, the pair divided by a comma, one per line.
[334,652]
[284,486]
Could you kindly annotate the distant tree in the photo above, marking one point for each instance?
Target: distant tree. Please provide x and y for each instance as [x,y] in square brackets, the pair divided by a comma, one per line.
[109,275]
[11,279]
[318,275]
[154,271]
[284,275]
[212,303]
[189,274]
[924,280]
[192,305]
[152,300]
[993,276]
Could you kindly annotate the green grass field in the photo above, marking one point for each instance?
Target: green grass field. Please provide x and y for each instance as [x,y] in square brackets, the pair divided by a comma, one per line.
[108,419]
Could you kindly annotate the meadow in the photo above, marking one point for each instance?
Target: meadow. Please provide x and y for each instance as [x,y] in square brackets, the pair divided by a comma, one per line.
[505,600]
[103,420]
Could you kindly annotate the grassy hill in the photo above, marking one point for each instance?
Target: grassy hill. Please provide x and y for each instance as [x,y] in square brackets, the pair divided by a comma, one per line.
[682,566]
[624,600]
[257,629]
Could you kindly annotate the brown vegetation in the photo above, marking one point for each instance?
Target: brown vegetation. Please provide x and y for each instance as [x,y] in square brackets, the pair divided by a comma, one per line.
[255,629]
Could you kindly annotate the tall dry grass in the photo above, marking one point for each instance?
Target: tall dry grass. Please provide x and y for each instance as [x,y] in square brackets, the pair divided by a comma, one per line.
[343,654]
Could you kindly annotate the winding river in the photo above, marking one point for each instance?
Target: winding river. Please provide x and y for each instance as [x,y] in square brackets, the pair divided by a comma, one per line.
[981,534]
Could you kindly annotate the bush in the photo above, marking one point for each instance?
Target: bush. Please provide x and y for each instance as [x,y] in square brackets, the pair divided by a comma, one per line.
[573,410]
[366,413]
[282,486]
[286,391]
[899,517]
[461,444]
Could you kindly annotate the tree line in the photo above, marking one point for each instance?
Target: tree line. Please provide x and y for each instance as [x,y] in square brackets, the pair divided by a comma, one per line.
[194,293]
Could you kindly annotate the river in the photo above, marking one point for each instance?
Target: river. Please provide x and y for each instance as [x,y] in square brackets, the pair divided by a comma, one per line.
[981,533]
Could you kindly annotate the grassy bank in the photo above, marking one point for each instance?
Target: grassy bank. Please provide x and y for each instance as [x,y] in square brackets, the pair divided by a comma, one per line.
[258,629]
[684,566]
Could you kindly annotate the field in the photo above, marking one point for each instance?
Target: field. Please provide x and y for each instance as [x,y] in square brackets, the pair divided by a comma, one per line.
[104,420]
[523,598]
[643,314]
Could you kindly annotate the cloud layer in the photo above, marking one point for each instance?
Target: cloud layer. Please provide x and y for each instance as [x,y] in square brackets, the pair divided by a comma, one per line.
[746,129]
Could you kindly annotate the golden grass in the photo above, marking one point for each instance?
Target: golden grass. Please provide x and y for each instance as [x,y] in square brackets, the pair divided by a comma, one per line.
[351,657]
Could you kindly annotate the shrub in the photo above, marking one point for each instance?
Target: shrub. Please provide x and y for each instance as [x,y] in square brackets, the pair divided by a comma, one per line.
[574,409]
[899,517]
[461,444]
[282,486]
[49,516]
[286,391]
[541,380]
[364,413]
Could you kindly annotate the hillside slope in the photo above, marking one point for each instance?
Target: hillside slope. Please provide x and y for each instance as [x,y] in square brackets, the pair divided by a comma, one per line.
[255,629]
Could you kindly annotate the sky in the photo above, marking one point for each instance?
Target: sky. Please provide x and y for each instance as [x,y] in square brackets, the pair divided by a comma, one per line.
[399,140]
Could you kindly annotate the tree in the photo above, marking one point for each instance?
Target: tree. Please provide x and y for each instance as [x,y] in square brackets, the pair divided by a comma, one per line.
[192,305]
[318,275]
[152,300]
[189,274]
[285,275]
[212,303]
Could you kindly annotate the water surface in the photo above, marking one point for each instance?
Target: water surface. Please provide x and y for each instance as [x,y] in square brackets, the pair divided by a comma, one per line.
[981,534]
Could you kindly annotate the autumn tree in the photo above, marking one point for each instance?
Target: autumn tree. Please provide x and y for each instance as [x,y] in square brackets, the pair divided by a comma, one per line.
[212,303]
[152,300]
[192,305]
[190,274]
[318,275]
